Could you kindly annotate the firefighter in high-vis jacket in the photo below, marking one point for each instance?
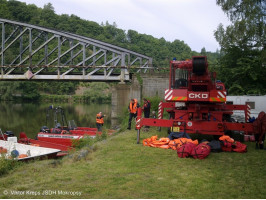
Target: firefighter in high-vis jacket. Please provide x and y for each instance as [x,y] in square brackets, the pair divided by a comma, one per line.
[132,109]
[99,121]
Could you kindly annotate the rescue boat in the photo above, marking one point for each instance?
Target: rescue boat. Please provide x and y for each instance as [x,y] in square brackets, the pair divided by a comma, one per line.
[64,136]
[63,133]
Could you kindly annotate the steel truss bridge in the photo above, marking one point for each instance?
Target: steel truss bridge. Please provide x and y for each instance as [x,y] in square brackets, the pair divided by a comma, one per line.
[38,53]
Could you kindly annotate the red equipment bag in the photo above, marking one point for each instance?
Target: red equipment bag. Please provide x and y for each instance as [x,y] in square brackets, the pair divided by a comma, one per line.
[227,146]
[239,147]
[201,151]
[246,138]
[185,150]
[252,138]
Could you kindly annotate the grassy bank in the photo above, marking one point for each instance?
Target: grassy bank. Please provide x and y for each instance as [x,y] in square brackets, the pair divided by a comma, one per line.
[119,168]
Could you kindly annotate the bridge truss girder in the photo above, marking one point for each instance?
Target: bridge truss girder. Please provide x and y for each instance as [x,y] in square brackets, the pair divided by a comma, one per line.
[34,52]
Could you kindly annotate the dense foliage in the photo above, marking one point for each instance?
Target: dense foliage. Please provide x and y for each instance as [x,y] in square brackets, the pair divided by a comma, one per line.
[159,49]
[243,61]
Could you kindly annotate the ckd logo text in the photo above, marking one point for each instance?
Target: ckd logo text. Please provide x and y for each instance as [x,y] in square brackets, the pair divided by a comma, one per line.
[198,96]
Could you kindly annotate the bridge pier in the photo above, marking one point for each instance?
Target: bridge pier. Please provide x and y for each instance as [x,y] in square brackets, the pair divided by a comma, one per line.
[120,96]
[153,84]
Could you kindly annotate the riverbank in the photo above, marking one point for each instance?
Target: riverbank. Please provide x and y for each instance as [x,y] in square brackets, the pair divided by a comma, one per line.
[50,98]
[75,98]
[95,92]
[119,168]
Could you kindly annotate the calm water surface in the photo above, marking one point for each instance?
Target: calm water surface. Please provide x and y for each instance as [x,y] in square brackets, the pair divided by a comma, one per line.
[30,117]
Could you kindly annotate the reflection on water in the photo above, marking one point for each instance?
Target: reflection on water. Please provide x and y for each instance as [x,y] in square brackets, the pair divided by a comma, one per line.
[30,117]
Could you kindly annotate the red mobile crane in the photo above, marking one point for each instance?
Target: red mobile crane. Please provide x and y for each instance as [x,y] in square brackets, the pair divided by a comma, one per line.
[196,102]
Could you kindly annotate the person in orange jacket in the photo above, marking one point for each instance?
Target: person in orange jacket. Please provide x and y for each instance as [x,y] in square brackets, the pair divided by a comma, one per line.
[99,121]
[132,109]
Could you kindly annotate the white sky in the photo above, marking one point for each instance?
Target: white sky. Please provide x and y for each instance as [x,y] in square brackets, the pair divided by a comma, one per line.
[193,21]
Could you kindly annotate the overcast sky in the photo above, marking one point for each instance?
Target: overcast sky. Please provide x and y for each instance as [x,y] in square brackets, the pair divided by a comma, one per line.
[193,21]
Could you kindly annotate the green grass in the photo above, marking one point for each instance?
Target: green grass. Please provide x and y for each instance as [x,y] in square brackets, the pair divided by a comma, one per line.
[119,168]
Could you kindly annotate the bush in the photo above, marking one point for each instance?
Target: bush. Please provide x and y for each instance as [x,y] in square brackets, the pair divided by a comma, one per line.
[6,165]
[154,103]
[123,118]
[83,142]
[88,141]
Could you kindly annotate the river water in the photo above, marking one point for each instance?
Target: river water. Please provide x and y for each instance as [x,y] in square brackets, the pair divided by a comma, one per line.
[30,117]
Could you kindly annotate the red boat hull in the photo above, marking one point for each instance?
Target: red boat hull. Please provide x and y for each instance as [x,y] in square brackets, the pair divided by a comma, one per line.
[50,145]
[62,139]
[85,132]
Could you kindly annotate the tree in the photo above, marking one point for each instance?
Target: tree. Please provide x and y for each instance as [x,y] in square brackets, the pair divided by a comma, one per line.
[29,91]
[243,46]
[8,90]
[4,10]
[49,7]
[203,51]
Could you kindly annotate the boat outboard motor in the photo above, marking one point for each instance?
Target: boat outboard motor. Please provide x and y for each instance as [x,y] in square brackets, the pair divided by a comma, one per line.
[44,129]
[58,125]
[9,134]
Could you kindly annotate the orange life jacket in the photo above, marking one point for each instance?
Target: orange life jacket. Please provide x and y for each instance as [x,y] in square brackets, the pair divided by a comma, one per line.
[133,107]
[99,119]
[180,141]
[226,138]
[172,145]
[148,141]
[161,141]
[153,142]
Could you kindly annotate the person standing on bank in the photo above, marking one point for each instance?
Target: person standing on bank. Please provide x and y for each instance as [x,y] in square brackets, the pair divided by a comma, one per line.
[132,109]
[99,121]
[147,109]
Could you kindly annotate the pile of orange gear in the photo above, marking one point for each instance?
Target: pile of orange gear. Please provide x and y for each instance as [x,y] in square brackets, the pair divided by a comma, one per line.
[166,143]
